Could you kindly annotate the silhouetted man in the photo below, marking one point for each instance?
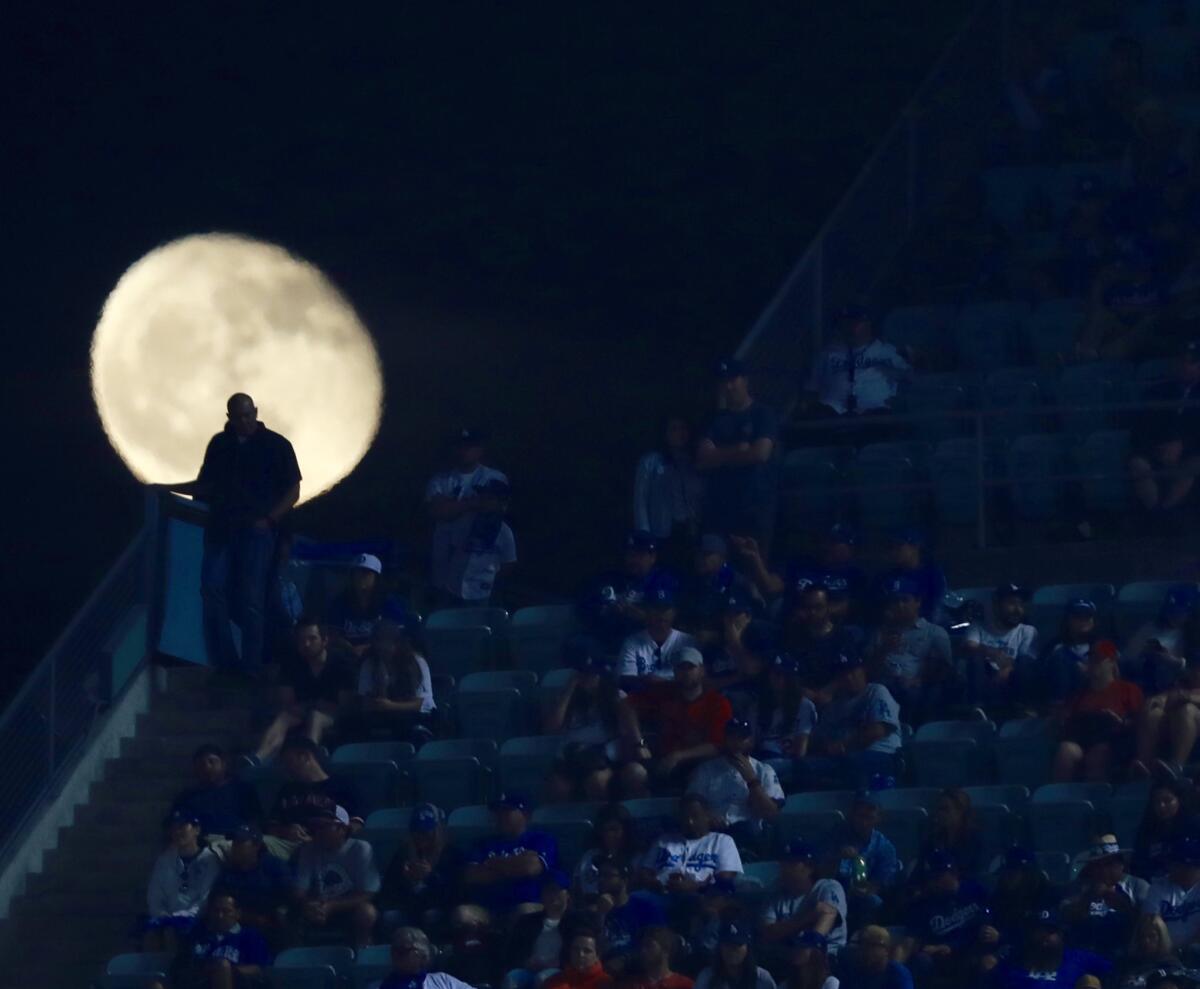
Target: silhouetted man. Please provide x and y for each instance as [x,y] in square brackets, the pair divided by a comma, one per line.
[250,480]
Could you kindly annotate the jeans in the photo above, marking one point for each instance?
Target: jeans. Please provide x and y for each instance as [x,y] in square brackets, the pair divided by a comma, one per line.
[850,772]
[233,586]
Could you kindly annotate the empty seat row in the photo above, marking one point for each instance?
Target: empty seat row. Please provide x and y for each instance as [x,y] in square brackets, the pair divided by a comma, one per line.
[464,640]
[326,967]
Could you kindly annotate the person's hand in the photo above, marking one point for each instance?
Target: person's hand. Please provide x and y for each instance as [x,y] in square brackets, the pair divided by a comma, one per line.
[988,934]
[936,950]
[604,903]
[735,625]
[417,870]
[848,852]
[742,764]
[679,882]
[296,832]
[667,764]
[315,912]
[746,546]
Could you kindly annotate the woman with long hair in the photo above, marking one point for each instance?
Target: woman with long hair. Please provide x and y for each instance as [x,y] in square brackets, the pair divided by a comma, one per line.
[952,827]
[395,690]
[1150,949]
[733,965]
[808,962]
[1170,809]
[612,834]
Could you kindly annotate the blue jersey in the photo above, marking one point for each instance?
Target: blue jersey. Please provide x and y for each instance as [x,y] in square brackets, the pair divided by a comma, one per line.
[239,946]
[951,918]
[839,582]
[623,925]
[1074,965]
[507,893]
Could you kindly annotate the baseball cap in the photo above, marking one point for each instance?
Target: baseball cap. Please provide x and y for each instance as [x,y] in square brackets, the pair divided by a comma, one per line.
[688,656]
[881,781]
[902,586]
[711,542]
[729,368]
[557,878]
[840,532]
[738,726]
[809,939]
[1012,590]
[1081,606]
[641,541]
[784,663]
[470,436]
[1104,847]
[938,861]
[737,603]
[1185,850]
[1047,916]
[512,800]
[799,850]
[366,561]
[426,817]
[246,832]
[585,654]
[338,814]
[733,932]
[720,886]
[845,663]
[180,815]
[661,595]
[851,311]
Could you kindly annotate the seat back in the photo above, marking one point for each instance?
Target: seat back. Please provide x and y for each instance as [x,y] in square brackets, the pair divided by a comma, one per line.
[397,752]
[524,763]
[537,635]
[1138,603]
[1023,750]
[1048,606]
[458,651]
[495,619]
[467,826]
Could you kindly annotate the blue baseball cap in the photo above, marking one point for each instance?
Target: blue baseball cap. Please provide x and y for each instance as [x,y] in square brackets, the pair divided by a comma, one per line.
[180,815]
[784,663]
[720,886]
[426,817]
[1019,857]
[901,586]
[733,932]
[246,832]
[1081,606]
[938,861]
[840,532]
[585,654]
[1047,916]
[557,878]
[641,541]
[799,850]
[1012,590]
[661,595]
[729,368]
[737,603]
[512,800]
[738,726]
[809,939]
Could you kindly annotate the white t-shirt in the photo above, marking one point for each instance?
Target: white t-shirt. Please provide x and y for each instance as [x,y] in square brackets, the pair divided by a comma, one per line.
[334,875]
[1021,640]
[700,858]
[841,718]
[784,907]
[728,795]
[1178,907]
[373,682]
[876,369]
[436,980]
[180,887]
[473,566]
[641,656]
[457,486]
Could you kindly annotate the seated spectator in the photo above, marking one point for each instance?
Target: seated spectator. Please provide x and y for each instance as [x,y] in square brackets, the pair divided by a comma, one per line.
[182,877]
[1098,723]
[221,951]
[716,905]
[952,828]
[611,608]
[352,616]
[858,374]
[911,558]
[911,656]
[1043,958]
[624,915]
[657,947]
[862,858]
[306,789]
[1164,458]
[869,965]
[755,648]
[706,592]
[733,966]
[743,793]
[423,881]
[649,655]
[221,802]
[686,860]
[1099,915]
[1170,811]
[690,718]
[1020,887]
[783,718]
[412,955]
[1126,303]
[995,649]
[668,492]
[1150,951]
[858,735]
[816,641]
[581,964]
[395,689]
[482,548]
[726,653]
[535,941]
[808,962]
[1060,672]
[1155,655]
[803,902]
[314,687]
[950,940]
[612,838]
[1086,236]
[503,871]
[336,880]
[259,882]
[1177,897]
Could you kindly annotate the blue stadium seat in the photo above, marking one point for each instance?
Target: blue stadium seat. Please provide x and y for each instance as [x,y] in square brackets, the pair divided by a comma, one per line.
[1062,816]
[536,635]
[1133,790]
[877,466]
[797,464]
[954,472]
[397,752]
[550,687]
[384,830]
[571,826]
[1125,813]
[1087,386]
[469,825]
[1138,603]
[923,330]
[495,704]
[841,800]
[494,618]
[135,970]
[459,651]
[1102,458]
[1050,331]
[266,781]
[1016,392]
[1049,603]
[1033,462]
[372,964]
[812,498]
[524,763]
[1152,373]
[999,826]
[908,796]
[454,772]
[985,332]
[1010,795]
[1024,749]
[1056,866]
[763,874]
[934,396]
[312,968]
[651,816]
[811,825]
[947,753]
[379,782]
[906,827]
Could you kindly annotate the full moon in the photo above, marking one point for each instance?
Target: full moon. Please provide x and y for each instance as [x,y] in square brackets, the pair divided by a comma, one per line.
[205,316]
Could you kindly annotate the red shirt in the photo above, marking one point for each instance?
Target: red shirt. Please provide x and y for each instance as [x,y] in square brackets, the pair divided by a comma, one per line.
[1121,696]
[572,978]
[683,724]
[672,980]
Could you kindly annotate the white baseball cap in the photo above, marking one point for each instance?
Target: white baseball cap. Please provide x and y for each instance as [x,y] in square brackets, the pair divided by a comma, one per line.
[365,561]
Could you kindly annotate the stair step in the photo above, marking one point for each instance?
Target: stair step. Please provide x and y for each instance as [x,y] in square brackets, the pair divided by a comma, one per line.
[207,699]
[106,808]
[156,774]
[50,974]
[82,907]
[131,863]
[161,723]
[177,750]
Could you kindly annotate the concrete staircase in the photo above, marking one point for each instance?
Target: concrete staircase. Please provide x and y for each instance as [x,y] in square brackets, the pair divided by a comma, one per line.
[81,909]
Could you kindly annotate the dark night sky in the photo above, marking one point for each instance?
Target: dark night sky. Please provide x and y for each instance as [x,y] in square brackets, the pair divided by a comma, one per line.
[553,217]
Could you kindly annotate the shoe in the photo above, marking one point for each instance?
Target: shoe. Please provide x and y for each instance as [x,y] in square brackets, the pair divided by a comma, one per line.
[249,762]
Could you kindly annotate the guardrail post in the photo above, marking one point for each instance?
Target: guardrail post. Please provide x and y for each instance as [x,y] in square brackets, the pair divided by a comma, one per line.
[980,496]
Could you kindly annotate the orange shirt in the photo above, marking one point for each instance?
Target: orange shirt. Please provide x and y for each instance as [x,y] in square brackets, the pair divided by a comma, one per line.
[1121,696]
[572,978]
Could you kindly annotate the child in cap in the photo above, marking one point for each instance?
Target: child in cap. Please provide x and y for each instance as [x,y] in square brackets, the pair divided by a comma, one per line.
[221,950]
[180,881]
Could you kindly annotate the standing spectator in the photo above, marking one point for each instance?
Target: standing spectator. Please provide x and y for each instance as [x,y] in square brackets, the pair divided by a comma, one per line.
[1060,672]
[503,871]
[221,951]
[307,790]
[869,963]
[611,607]
[995,649]
[808,962]
[858,374]
[667,491]
[314,688]
[482,548]
[453,498]
[423,881]
[743,793]
[1177,897]
[1044,959]
[684,861]
[690,718]
[336,879]
[625,915]
[395,689]
[649,655]
[250,480]
[952,828]
[1170,812]
[858,735]
[1101,913]
[656,948]
[260,882]
[868,881]
[354,614]
[582,968]
[182,877]
[803,902]
[735,458]
[1099,721]
[910,557]
[1165,458]
[612,838]
[222,803]
[412,955]
[733,966]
